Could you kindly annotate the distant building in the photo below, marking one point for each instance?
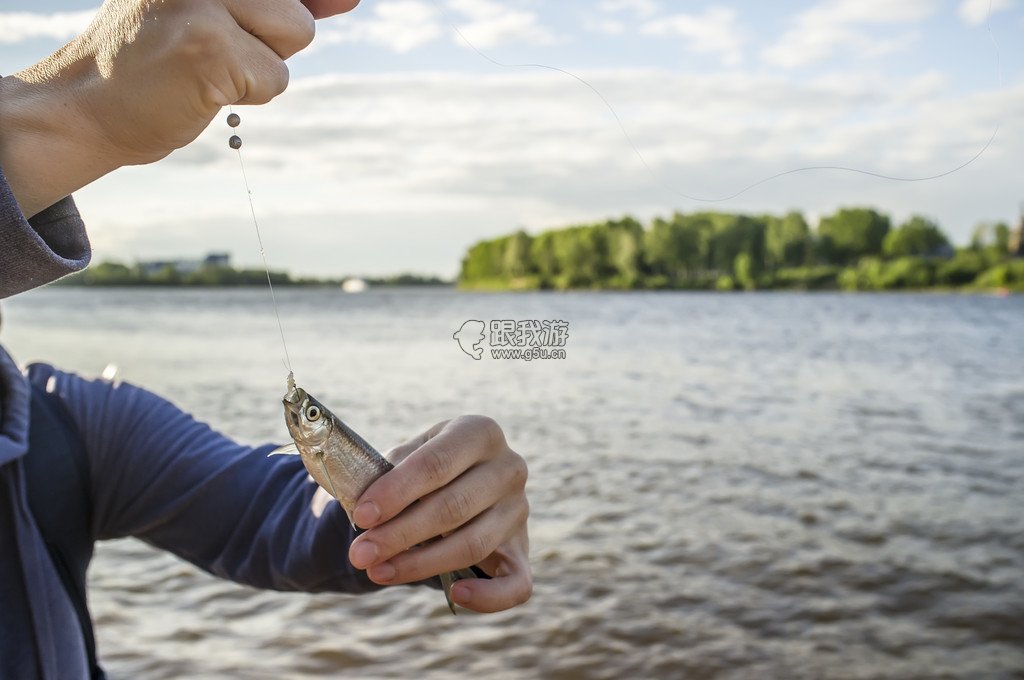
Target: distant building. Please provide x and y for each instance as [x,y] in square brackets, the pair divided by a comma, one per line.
[217,260]
[185,267]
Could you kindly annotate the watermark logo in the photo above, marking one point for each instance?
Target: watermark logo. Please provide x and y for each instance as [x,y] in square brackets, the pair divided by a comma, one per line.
[470,337]
[525,340]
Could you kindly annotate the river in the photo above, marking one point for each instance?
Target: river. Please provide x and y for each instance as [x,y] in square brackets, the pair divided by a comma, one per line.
[722,485]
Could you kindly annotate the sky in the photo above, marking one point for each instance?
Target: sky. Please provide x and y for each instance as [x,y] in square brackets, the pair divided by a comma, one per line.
[414,128]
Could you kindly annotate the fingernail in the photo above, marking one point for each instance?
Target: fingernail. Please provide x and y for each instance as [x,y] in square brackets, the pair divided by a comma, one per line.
[383,573]
[364,553]
[461,594]
[366,514]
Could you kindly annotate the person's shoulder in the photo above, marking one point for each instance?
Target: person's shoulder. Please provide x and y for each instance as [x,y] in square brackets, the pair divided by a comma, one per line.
[69,386]
[42,375]
[101,404]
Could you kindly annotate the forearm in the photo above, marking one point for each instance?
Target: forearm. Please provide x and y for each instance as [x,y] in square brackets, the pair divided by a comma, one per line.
[47,150]
[159,475]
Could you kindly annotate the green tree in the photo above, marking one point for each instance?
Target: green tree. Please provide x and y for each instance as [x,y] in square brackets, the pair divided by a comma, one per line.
[906,272]
[625,252]
[868,274]
[543,258]
[807,278]
[917,236]
[517,255]
[787,241]
[1009,274]
[1002,237]
[987,235]
[981,235]
[167,276]
[743,266]
[964,268]
[708,250]
[484,262]
[212,276]
[110,274]
[671,249]
[852,233]
[582,256]
[991,241]
[723,237]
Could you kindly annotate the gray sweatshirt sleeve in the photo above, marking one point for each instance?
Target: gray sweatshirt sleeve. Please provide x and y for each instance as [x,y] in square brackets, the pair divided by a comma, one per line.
[37,251]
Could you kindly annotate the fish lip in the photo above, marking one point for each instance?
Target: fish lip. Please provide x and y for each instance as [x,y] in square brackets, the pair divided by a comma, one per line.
[293,400]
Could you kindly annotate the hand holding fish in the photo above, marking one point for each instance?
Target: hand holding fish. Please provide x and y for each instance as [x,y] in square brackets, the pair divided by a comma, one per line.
[454,504]
[459,480]
[145,78]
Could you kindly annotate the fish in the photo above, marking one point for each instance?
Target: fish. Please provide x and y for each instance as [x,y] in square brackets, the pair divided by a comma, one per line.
[340,461]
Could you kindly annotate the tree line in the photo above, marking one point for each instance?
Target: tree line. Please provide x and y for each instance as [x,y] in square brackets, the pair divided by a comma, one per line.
[119,274]
[853,249]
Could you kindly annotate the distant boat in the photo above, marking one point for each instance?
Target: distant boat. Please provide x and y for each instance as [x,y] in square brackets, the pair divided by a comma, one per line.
[354,285]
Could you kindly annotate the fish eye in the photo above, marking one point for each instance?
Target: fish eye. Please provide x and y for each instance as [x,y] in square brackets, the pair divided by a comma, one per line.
[313,413]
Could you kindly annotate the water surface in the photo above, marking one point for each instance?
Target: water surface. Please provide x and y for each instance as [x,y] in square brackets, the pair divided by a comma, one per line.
[723,486]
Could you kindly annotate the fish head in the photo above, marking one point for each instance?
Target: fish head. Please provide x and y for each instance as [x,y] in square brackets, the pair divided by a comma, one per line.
[309,423]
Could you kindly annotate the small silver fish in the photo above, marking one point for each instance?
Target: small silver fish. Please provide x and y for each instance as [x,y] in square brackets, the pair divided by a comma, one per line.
[338,459]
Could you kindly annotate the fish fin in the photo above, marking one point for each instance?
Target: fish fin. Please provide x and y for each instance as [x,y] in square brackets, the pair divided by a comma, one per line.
[333,491]
[350,519]
[286,450]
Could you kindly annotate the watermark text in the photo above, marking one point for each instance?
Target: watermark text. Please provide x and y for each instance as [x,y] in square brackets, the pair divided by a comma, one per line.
[523,339]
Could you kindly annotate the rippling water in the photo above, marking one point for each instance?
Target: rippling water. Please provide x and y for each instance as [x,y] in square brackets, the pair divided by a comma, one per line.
[723,486]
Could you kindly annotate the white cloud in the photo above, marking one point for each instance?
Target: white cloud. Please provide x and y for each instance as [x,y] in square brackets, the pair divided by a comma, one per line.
[16,27]
[642,8]
[713,32]
[490,24]
[976,12]
[400,26]
[610,18]
[406,25]
[434,161]
[605,26]
[838,25]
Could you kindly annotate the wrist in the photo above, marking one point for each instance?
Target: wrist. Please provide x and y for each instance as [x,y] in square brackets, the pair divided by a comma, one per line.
[46,147]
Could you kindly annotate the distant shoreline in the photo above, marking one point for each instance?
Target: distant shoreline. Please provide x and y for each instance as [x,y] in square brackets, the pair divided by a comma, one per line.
[292,284]
[936,291]
[118,275]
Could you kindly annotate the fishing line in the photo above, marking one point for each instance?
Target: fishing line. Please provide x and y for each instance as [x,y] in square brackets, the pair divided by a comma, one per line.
[236,143]
[703,199]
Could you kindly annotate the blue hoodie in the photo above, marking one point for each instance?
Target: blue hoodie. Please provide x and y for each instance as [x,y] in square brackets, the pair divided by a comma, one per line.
[154,472]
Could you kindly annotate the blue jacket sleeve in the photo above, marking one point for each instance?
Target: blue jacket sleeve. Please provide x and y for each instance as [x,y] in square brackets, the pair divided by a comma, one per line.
[158,474]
